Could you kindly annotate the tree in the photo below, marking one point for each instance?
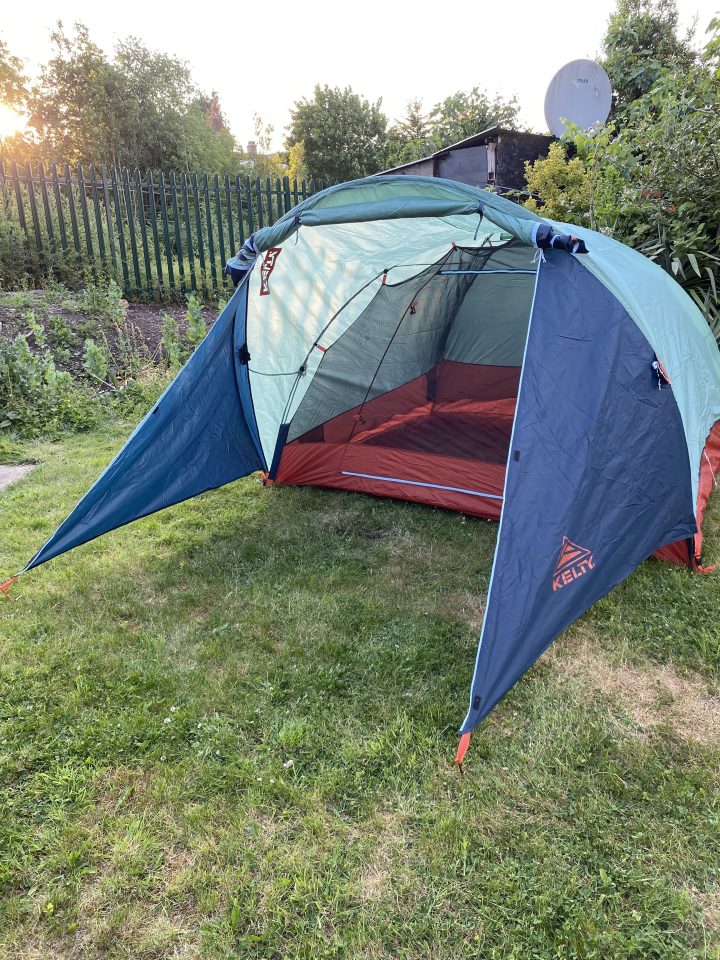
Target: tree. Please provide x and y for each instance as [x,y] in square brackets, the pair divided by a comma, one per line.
[138,108]
[410,138]
[711,53]
[634,180]
[297,168]
[640,43]
[415,124]
[344,135]
[464,113]
[265,163]
[13,83]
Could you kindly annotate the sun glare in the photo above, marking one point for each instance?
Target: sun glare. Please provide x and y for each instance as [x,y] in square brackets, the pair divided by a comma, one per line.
[10,122]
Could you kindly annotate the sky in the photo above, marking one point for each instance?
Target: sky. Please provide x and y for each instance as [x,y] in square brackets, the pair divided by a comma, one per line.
[263,58]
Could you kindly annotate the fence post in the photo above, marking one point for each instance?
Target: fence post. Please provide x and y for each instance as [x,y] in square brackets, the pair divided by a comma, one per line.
[46,209]
[166,232]
[140,207]
[153,224]
[108,217]
[248,194]
[86,218]
[209,229]
[199,232]
[220,228]
[286,193]
[130,212]
[73,213]
[35,219]
[121,231]
[3,183]
[258,199]
[188,232]
[98,216]
[230,219]
[178,234]
[268,196]
[19,200]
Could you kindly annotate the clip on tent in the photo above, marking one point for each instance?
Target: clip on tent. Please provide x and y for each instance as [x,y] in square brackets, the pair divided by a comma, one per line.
[420,339]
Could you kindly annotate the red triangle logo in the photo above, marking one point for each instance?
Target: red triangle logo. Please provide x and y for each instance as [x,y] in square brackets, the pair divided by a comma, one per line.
[571,554]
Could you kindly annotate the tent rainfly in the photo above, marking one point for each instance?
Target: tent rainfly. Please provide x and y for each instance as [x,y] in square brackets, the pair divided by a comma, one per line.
[422,339]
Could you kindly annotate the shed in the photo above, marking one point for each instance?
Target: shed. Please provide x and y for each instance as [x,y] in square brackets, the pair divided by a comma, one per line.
[495,156]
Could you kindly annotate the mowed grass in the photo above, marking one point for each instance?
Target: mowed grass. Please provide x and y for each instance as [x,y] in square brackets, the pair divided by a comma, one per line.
[228,730]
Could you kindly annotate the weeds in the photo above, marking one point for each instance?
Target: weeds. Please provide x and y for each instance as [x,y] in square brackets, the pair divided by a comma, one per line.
[171,342]
[195,329]
[37,399]
[35,327]
[95,361]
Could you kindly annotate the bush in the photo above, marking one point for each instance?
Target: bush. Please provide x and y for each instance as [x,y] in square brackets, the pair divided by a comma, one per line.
[562,185]
[95,361]
[37,399]
[196,329]
[136,397]
[171,343]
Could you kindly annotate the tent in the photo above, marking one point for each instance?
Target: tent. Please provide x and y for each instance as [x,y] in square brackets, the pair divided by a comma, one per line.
[422,339]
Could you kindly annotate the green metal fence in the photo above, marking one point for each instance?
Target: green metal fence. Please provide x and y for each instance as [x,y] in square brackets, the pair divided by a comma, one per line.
[159,235]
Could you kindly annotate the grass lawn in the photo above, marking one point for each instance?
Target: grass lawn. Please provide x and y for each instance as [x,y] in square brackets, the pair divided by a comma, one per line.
[228,731]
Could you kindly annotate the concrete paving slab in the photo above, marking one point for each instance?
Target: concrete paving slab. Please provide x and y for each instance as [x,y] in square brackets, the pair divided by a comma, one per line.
[9,475]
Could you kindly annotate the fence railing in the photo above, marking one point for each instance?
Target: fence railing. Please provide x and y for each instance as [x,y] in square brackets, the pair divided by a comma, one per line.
[159,235]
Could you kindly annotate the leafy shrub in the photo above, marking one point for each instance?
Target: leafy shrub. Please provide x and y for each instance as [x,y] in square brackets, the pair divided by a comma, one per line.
[100,300]
[37,399]
[171,343]
[35,327]
[196,329]
[136,397]
[95,361]
[60,331]
[13,265]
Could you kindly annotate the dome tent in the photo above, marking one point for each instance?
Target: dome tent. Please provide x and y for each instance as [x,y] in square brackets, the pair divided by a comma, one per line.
[421,339]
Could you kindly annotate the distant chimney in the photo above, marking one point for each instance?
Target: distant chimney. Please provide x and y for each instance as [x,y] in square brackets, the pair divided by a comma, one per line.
[252,148]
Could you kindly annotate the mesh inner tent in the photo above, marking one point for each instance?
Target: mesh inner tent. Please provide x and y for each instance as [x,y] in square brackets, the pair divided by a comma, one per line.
[427,376]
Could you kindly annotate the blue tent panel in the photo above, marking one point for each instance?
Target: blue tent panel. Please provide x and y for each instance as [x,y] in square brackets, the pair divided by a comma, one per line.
[200,434]
[598,475]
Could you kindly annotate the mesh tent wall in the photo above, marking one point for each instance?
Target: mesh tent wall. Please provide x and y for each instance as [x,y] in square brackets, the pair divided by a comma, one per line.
[418,338]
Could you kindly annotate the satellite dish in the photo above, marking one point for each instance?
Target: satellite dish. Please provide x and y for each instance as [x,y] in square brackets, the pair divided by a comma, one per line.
[579,93]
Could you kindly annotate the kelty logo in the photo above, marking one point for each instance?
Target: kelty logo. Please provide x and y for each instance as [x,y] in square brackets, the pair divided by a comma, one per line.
[266,268]
[574,562]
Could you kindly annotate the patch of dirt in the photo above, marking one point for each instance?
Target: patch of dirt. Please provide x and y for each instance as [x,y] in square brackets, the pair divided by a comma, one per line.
[9,474]
[143,323]
[375,877]
[650,696]
[470,608]
[376,534]
[708,903]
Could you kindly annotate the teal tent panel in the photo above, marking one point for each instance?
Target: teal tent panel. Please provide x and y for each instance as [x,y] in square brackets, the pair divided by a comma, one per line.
[199,435]
[395,196]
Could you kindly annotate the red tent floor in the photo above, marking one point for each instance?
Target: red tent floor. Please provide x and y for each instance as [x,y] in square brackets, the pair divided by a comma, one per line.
[448,452]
